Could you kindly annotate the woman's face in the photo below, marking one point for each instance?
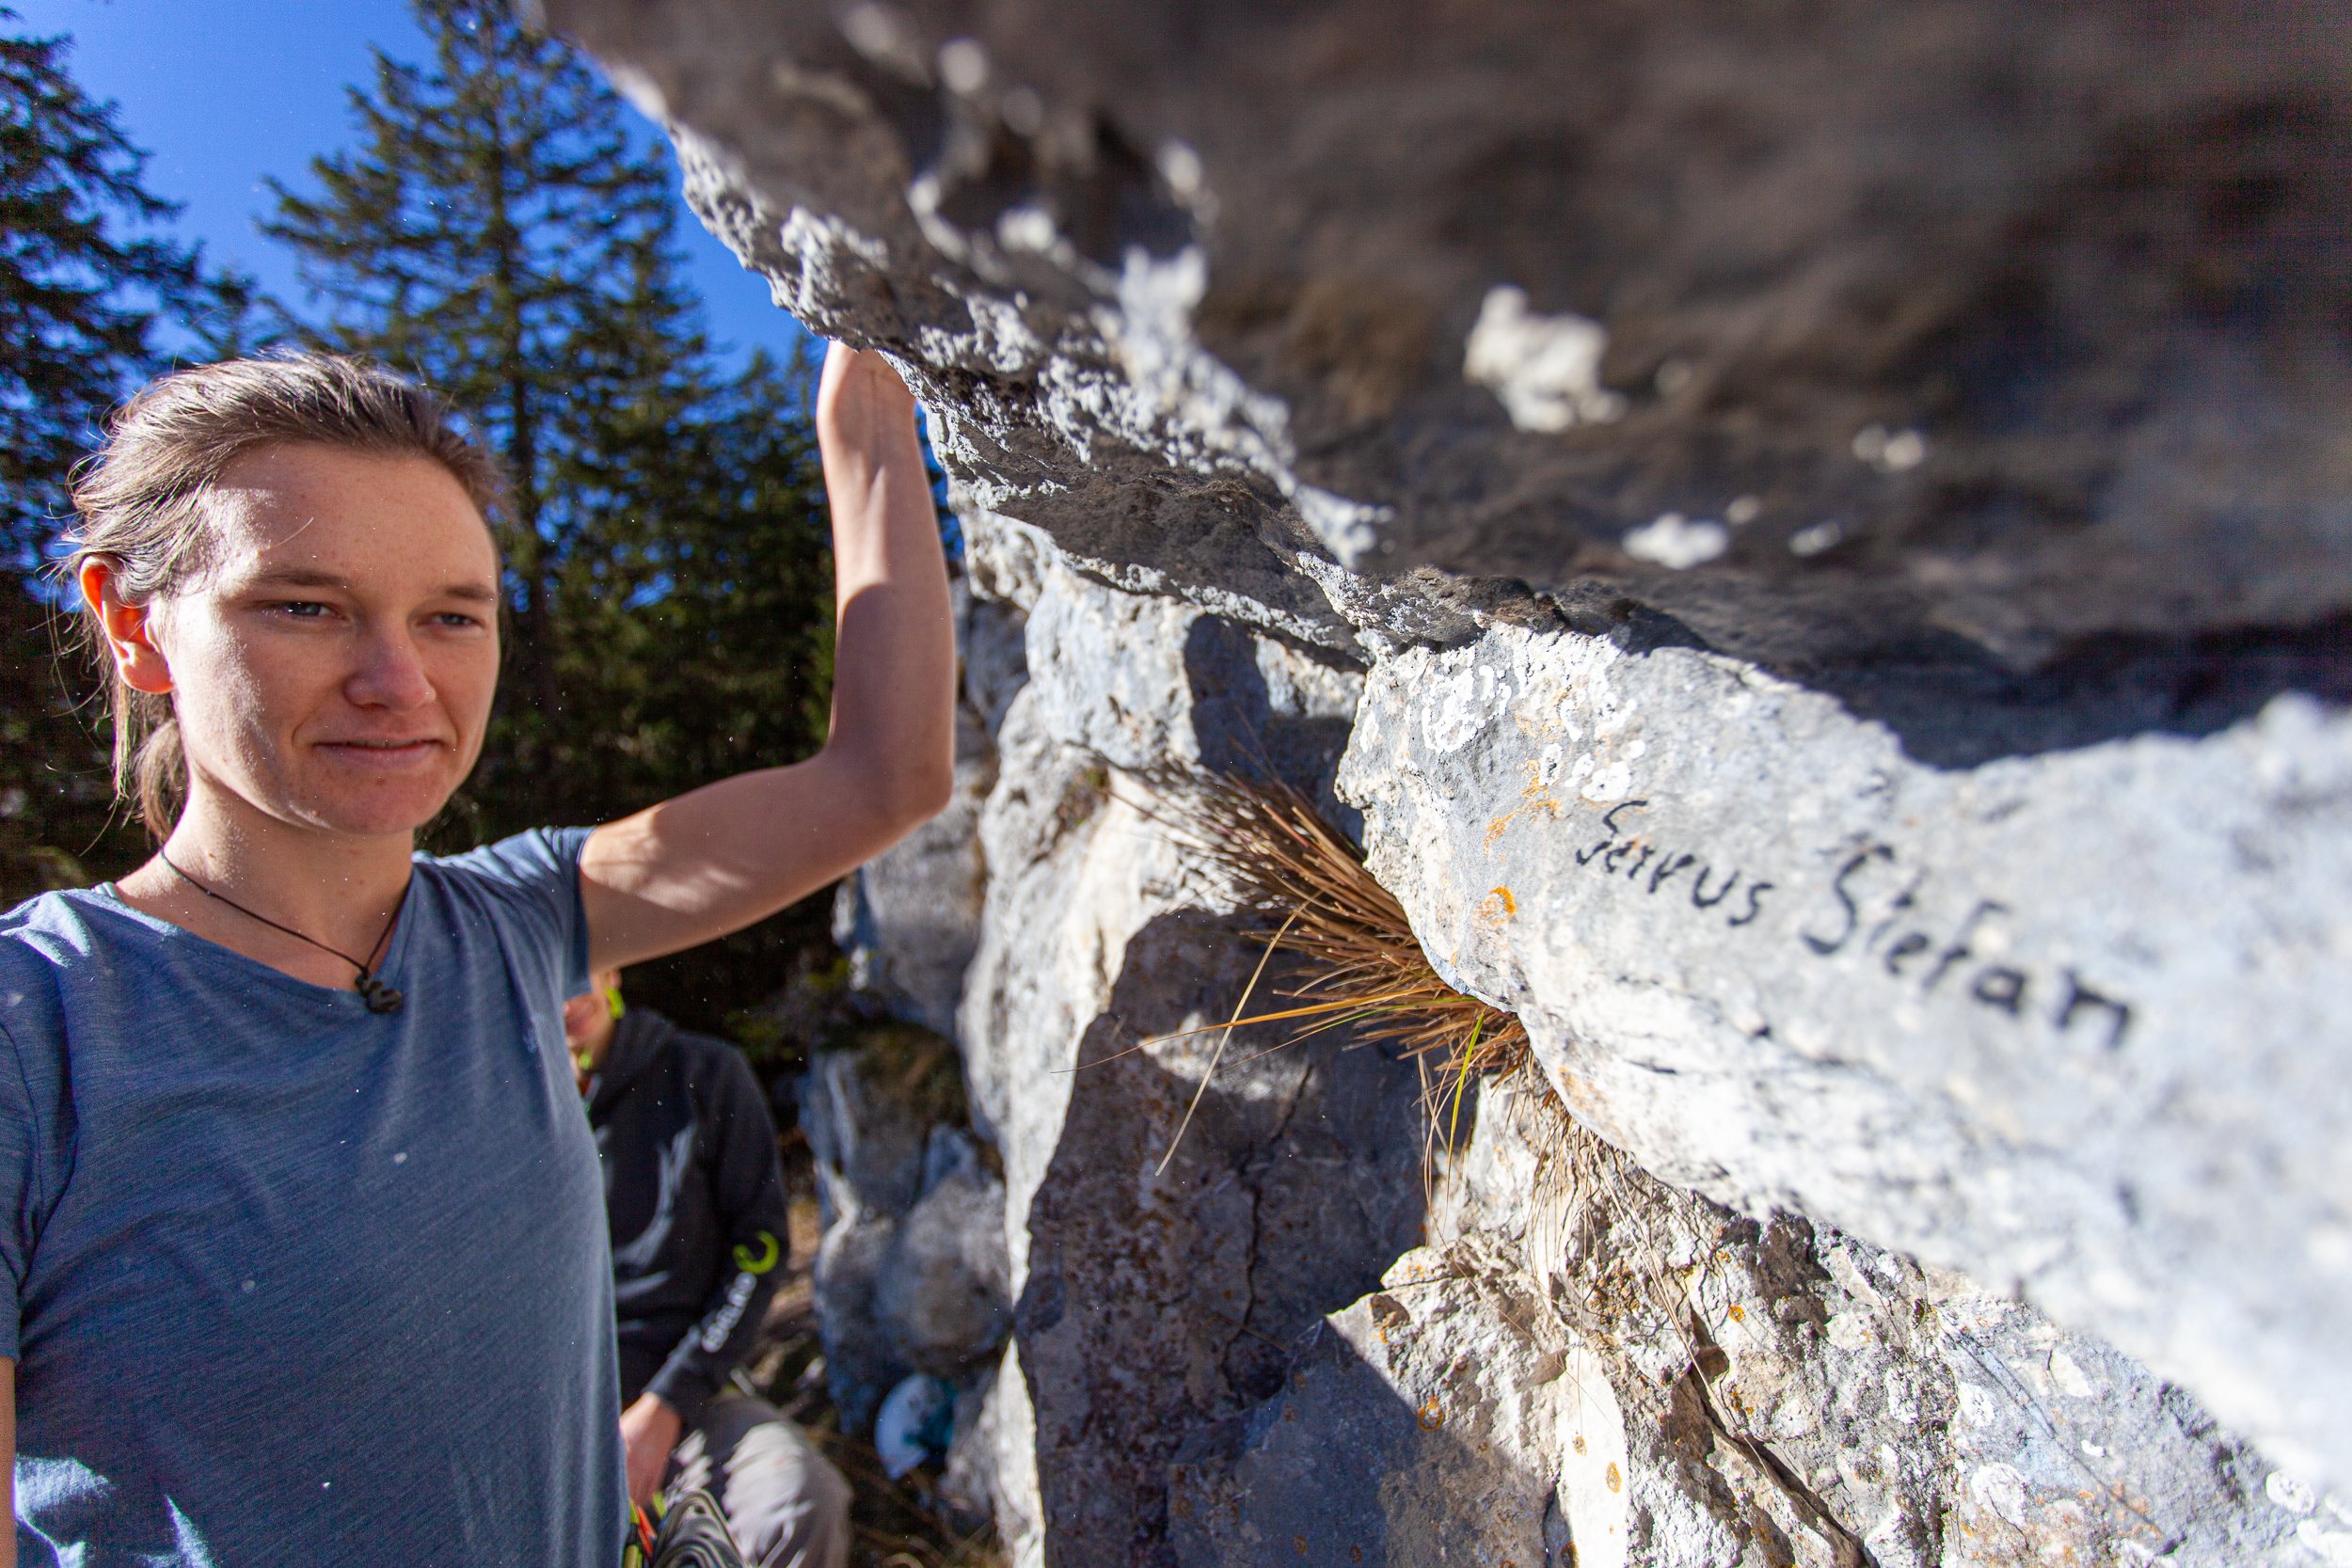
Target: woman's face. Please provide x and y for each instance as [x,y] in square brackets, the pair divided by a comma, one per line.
[334,668]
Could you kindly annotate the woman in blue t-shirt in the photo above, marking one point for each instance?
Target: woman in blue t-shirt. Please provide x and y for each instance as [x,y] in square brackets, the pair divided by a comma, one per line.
[303,1226]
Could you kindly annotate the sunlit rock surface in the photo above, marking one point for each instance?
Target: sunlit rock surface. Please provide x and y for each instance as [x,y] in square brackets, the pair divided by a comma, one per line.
[1893,456]
[2073,1023]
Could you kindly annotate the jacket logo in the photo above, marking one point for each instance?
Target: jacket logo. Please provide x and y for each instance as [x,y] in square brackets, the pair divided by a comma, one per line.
[761,1261]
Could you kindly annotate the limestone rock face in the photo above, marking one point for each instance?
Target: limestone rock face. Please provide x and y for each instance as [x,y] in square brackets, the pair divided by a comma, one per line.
[1816,539]
[1152,1304]
[1687,1387]
[1271,1341]
[1391,1446]
[2071,1023]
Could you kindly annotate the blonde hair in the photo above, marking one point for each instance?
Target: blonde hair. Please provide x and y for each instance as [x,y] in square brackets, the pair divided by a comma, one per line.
[141,503]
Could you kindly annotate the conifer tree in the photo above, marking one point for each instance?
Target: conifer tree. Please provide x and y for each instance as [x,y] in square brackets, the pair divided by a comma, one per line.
[86,285]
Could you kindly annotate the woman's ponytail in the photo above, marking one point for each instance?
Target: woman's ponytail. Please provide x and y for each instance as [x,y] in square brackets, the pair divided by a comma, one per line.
[158,769]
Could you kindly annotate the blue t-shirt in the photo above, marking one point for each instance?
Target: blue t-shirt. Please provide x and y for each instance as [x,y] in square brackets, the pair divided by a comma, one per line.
[295,1283]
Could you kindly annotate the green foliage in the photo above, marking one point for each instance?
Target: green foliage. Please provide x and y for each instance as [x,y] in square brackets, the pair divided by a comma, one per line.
[79,295]
[497,231]
[56,801]
[82,295]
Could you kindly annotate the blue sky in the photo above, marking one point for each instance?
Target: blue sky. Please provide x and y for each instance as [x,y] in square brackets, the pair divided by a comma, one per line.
[224,91]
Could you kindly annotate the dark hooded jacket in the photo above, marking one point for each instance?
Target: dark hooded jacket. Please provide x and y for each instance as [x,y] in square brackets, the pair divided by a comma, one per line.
[694,1194]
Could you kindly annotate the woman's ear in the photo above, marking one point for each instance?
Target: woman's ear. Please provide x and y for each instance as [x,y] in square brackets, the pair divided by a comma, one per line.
[129,628]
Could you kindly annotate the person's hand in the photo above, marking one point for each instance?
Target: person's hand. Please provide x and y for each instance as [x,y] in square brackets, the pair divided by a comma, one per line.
[649,1429]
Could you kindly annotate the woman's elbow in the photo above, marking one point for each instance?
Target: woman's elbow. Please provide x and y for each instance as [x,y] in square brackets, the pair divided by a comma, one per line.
[910,796]
[925,793]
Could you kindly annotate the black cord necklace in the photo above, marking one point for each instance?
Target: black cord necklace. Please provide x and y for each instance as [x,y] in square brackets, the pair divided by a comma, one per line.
[381,998]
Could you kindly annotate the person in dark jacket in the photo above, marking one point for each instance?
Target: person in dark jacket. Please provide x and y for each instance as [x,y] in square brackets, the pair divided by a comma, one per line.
[695,1198]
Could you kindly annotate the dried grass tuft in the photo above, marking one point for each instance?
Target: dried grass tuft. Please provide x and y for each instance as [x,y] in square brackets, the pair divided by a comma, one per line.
[1364,970]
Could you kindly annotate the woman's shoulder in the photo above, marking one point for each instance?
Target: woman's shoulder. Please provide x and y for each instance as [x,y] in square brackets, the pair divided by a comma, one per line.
[538,857]
[531,878]
[65,927]
[52,942]
[523,891]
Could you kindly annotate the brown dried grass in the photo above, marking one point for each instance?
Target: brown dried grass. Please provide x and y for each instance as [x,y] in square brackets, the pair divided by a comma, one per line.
[1363,970]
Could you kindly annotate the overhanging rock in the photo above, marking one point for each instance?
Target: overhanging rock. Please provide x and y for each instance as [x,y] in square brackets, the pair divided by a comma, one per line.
[1827,329]
[1584,1358]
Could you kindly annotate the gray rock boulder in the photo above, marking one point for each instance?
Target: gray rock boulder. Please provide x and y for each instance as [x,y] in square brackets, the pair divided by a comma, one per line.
[1151,1305]
[1862,1403]
[967,1486]
[910,1274]
[1412,1428]
[862,1364]
[1157,1303]
[869,1142]
[1589,1359]
[939,1292]
[868,1156]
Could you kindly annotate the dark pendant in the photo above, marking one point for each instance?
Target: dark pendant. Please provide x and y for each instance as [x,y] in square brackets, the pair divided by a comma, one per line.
[381,998]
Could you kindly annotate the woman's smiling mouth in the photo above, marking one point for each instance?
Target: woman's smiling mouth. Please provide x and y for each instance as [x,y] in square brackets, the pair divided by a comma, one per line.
[382,753]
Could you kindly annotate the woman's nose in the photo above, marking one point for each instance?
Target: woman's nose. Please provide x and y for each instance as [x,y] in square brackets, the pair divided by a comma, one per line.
[391,674]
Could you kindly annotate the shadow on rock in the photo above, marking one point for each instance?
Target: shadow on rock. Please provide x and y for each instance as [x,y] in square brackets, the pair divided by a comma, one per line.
[1962,709]
[1157,1304]
[1955,706]
[1247,728]
[1371,1459]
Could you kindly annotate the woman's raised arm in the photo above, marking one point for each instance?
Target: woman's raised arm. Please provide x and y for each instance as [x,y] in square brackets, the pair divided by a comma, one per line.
[719,858]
